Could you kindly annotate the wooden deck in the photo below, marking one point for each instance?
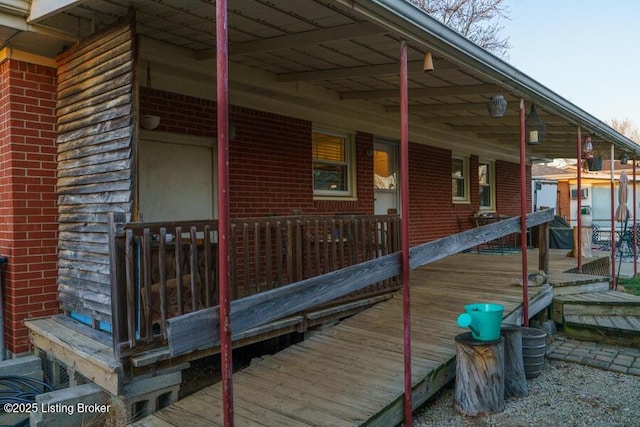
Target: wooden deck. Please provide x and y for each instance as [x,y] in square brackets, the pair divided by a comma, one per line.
[352,373]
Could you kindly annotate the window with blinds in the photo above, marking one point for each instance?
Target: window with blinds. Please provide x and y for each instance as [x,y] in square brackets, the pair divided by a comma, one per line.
[331,168]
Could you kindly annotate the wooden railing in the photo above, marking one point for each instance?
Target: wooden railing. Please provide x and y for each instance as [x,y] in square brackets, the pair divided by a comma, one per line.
[202,328]
[164,270]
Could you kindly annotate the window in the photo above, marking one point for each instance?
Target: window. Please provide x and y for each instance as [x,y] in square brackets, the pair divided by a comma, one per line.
[460,179]
[331,168]
[486,186]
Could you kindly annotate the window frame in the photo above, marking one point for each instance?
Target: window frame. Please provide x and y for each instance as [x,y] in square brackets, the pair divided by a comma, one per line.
[465,179]
[349,163]
[491,185]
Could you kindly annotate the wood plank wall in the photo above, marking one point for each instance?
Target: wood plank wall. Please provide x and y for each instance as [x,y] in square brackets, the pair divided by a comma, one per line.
[96,125]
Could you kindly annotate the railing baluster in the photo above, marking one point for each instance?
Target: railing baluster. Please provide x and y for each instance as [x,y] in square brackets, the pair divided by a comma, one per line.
[234,260]
[318,248]
[208,267]
[193,263]
[307,248]
[339,235]
[256,250]
[162,275]
[146,284]
[279,255]
[298,250]
[179,272]
[245,260]
[268,259]
[131,283]
[216,266]
[290,262]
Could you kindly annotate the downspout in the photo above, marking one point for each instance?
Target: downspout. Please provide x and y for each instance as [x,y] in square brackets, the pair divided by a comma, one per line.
[3,260]
[579,202]
[523,217]
[404,205]
[222,106]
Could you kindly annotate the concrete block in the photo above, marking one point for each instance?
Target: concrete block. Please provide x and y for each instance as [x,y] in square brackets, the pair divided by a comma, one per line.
[146,395]
[87,404]
[140,406]
[150,384]
[27,366]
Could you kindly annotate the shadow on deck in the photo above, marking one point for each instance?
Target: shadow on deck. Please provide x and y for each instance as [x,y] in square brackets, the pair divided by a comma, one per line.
[352,373]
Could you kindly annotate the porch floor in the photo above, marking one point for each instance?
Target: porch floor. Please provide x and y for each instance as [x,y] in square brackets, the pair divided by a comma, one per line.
[352,373]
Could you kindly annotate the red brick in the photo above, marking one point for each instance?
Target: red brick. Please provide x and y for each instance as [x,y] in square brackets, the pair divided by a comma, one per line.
[27,148]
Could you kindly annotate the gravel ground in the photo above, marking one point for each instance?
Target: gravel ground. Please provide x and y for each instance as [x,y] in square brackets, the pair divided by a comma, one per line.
[565,394]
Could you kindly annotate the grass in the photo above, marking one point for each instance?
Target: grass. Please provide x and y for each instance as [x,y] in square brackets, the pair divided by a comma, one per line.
[631,285]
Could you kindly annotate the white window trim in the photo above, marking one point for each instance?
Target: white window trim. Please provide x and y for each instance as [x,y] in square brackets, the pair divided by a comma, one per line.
[466,177]
[492,185]
[350,161]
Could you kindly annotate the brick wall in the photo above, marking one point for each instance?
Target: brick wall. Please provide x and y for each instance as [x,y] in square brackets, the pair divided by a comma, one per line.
[508,188]
[270,168]
[269,159]
[28,212]
[432,212]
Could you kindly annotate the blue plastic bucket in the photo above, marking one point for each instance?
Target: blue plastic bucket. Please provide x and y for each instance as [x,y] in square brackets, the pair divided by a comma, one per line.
[483,319]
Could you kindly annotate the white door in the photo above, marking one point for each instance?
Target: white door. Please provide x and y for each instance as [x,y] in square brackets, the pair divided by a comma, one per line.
[177,177]
[385,177]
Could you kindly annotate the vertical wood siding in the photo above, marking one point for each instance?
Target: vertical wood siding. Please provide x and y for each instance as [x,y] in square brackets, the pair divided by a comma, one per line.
[95,133]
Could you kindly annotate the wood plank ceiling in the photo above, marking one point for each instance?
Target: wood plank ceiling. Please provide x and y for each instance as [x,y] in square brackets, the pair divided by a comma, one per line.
[328,45]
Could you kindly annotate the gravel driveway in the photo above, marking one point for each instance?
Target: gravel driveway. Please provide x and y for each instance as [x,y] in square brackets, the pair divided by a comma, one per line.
[565,394]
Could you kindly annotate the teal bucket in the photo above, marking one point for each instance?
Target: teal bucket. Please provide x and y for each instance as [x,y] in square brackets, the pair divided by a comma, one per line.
[483,319]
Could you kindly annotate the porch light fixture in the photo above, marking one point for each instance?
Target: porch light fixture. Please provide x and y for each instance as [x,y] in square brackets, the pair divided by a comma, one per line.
[535,128]
[497,105]
[149,121]
[427,66]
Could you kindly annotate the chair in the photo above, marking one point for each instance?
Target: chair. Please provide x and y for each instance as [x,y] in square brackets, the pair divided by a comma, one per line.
[480,220]
[597,239]
[625,245]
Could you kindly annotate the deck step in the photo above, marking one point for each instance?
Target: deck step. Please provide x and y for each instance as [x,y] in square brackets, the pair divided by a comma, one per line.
[616,330]
[88,351]
[571,284]
[608,303]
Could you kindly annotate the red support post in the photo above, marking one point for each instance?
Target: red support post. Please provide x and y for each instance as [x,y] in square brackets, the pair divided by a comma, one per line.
[635,223]
[614,285]
[523,217]
[579,202]
[404,205]
[222,61]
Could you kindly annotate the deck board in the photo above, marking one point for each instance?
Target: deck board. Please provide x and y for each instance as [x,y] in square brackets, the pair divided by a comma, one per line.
[352,373]
[602,297]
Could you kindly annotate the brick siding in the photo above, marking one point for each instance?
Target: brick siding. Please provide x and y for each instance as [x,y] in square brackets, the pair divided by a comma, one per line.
[270,168]
[270,173]
[28,212]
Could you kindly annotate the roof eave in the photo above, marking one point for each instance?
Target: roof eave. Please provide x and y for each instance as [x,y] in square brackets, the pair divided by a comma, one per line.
[404,18]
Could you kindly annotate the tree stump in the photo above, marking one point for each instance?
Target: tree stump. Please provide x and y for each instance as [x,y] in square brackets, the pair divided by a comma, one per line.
[479,376]
[515,380]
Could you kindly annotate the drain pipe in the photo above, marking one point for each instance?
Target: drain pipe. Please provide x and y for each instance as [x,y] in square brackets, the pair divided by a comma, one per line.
[2,350]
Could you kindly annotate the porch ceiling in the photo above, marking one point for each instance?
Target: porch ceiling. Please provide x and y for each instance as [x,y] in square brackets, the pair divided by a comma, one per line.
[348,50]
